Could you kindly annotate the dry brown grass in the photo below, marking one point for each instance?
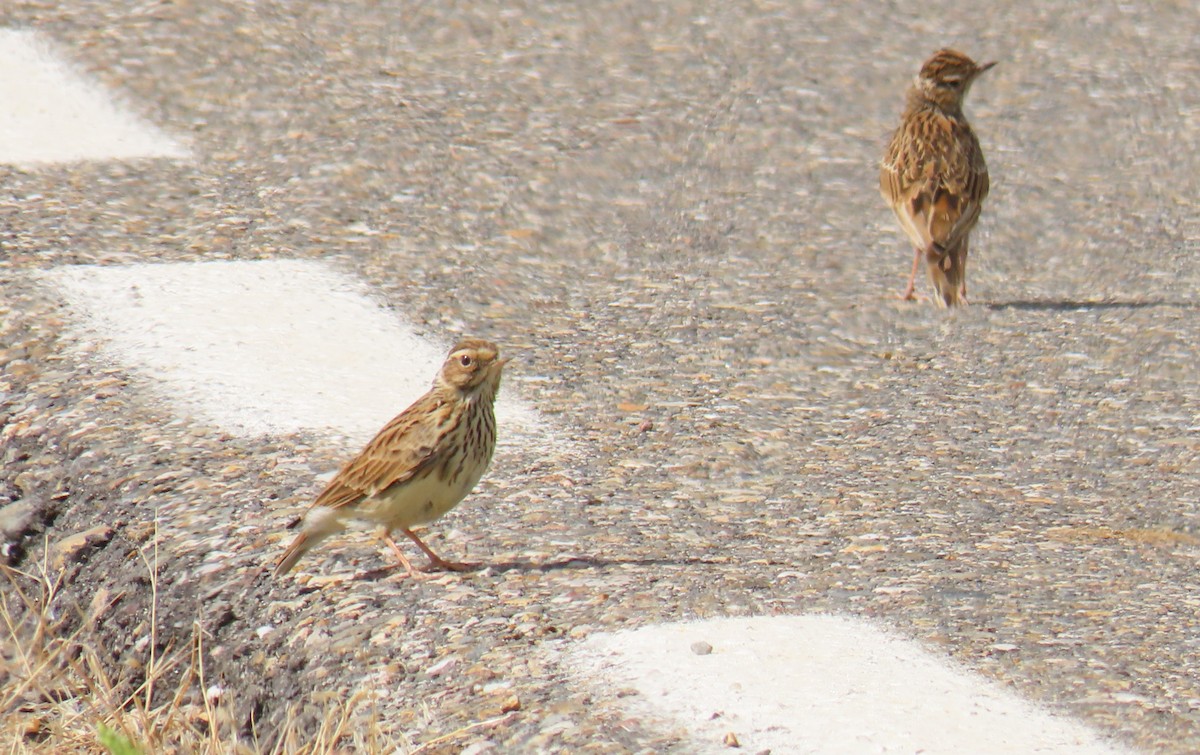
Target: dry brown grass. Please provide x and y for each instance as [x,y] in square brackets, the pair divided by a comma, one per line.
[58,694]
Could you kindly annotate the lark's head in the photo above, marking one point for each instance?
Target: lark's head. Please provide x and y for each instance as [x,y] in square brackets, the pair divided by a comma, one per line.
[946,77]
[473,362]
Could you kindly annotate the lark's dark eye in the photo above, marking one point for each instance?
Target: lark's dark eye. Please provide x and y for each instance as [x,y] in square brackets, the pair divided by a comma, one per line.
[465,360]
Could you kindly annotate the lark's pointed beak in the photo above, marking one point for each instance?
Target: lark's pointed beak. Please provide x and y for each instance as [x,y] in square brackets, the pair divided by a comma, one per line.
[984,67]
[501,362]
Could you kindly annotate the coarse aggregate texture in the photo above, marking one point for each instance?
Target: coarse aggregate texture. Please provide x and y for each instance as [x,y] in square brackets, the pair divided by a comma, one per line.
[668,212]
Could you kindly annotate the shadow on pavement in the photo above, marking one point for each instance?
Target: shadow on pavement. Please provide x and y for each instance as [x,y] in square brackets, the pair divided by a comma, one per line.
[589,562]
[1065,305]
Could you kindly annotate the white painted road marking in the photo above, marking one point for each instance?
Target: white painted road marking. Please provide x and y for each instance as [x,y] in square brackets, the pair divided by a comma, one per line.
[821,684]
[258,347]
[52,113]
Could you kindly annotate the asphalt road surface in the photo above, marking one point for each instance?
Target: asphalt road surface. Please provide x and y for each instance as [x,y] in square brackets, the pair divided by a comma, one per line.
[668,213]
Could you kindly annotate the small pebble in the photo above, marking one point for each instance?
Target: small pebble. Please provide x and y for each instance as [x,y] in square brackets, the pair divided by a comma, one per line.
[701,648]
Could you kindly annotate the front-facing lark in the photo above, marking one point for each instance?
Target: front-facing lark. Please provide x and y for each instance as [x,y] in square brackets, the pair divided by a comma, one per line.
[933,174]
[420,465]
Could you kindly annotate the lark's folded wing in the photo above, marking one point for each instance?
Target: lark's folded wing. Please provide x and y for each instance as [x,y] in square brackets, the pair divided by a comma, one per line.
[935,179]
[385,461]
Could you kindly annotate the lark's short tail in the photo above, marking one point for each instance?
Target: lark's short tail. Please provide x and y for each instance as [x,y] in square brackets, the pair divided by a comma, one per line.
[319,523]
[948,274]
[301,545]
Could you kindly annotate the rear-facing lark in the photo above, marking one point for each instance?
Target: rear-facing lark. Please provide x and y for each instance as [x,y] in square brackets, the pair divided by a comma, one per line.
[933,174]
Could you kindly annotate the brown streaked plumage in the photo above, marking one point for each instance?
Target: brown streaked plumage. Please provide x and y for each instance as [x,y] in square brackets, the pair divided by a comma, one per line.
[420,465]
[933,173]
